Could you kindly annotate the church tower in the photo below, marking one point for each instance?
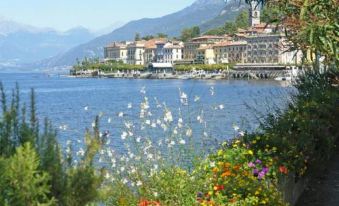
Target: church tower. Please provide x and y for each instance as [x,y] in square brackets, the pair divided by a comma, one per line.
[254,13]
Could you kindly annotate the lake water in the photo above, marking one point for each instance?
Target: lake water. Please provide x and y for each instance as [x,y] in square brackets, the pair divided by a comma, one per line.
[72,104]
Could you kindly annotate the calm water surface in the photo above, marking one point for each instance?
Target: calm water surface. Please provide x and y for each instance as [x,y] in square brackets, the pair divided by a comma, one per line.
[63,100]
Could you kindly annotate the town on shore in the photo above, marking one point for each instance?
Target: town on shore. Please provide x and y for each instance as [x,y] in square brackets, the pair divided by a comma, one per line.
[258,52]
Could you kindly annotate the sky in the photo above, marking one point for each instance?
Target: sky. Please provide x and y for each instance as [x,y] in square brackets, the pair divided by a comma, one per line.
[92,14]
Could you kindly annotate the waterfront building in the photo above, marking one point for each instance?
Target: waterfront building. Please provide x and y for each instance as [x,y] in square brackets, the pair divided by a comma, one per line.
[205,55]
[116,51]
[270,48]
[173,51]
[150,54]
[230,52]
[135,53]
[191,47]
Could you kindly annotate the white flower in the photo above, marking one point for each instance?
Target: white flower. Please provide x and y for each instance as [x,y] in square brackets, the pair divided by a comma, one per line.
[138,139]
[155,194]
[107,176]
[81,152]
[221,107]
[242,133]
[235,127]
[183,98]
[123,135]
[133,171]
[122,169]
[182,141]
[86,108]
[154,125]
[212,164]
[130,133]
[109,120]
[100,134]
[189,132]
[139,183]
[180,120]
[168,116]
[155,167]
[68,142]
[129,105]
[124,181]
[121,114]
[175,131]
[128,125]
[196,98]
[149,156]
[164,127]
[172,142]
[143,90]
[148,122]
[212,90]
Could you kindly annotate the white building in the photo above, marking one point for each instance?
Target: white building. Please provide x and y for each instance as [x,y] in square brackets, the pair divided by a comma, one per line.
[116,51]
[270,48]
[172,51]
[254,13]
[135,53]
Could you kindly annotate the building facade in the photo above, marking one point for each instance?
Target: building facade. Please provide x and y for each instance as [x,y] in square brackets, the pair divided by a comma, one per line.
[230,52]
[173,51]
[116,51]
[135,53]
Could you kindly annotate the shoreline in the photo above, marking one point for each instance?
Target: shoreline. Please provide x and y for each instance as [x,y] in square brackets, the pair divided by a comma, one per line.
[277,75]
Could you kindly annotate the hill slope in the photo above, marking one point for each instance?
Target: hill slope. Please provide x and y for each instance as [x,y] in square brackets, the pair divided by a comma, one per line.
[199,13]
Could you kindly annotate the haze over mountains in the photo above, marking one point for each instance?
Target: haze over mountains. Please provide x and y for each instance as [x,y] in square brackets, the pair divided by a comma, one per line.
[52,45]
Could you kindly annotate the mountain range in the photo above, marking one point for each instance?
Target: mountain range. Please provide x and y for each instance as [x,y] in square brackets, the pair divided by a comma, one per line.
[62,49]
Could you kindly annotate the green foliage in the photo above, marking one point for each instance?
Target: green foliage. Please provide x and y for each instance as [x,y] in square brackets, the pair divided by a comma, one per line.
[21,183]
[231,27]
[306,133]
[190,33]
[312,25]
[109,66]
[137,37]
[32,167]
[242,20]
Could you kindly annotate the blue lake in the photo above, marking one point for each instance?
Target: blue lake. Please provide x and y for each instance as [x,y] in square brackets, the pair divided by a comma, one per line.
[72,104]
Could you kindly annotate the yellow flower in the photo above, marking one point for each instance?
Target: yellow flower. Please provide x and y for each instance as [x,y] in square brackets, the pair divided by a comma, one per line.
[254,141]
[220,153]
[250,152]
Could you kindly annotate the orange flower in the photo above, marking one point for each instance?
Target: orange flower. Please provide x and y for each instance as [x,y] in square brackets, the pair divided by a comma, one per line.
[236,167]
[218,187]
[283,169]
[148,203]
[226,174]
[227,164]
[215,169]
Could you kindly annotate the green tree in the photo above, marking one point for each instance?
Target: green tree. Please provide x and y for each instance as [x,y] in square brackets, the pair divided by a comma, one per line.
[162,35]
[242,20]
[230,28]
[137,37]
[190,33]
[21,182]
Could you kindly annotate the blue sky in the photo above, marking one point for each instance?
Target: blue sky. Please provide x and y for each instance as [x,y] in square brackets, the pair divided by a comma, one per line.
[93,14]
